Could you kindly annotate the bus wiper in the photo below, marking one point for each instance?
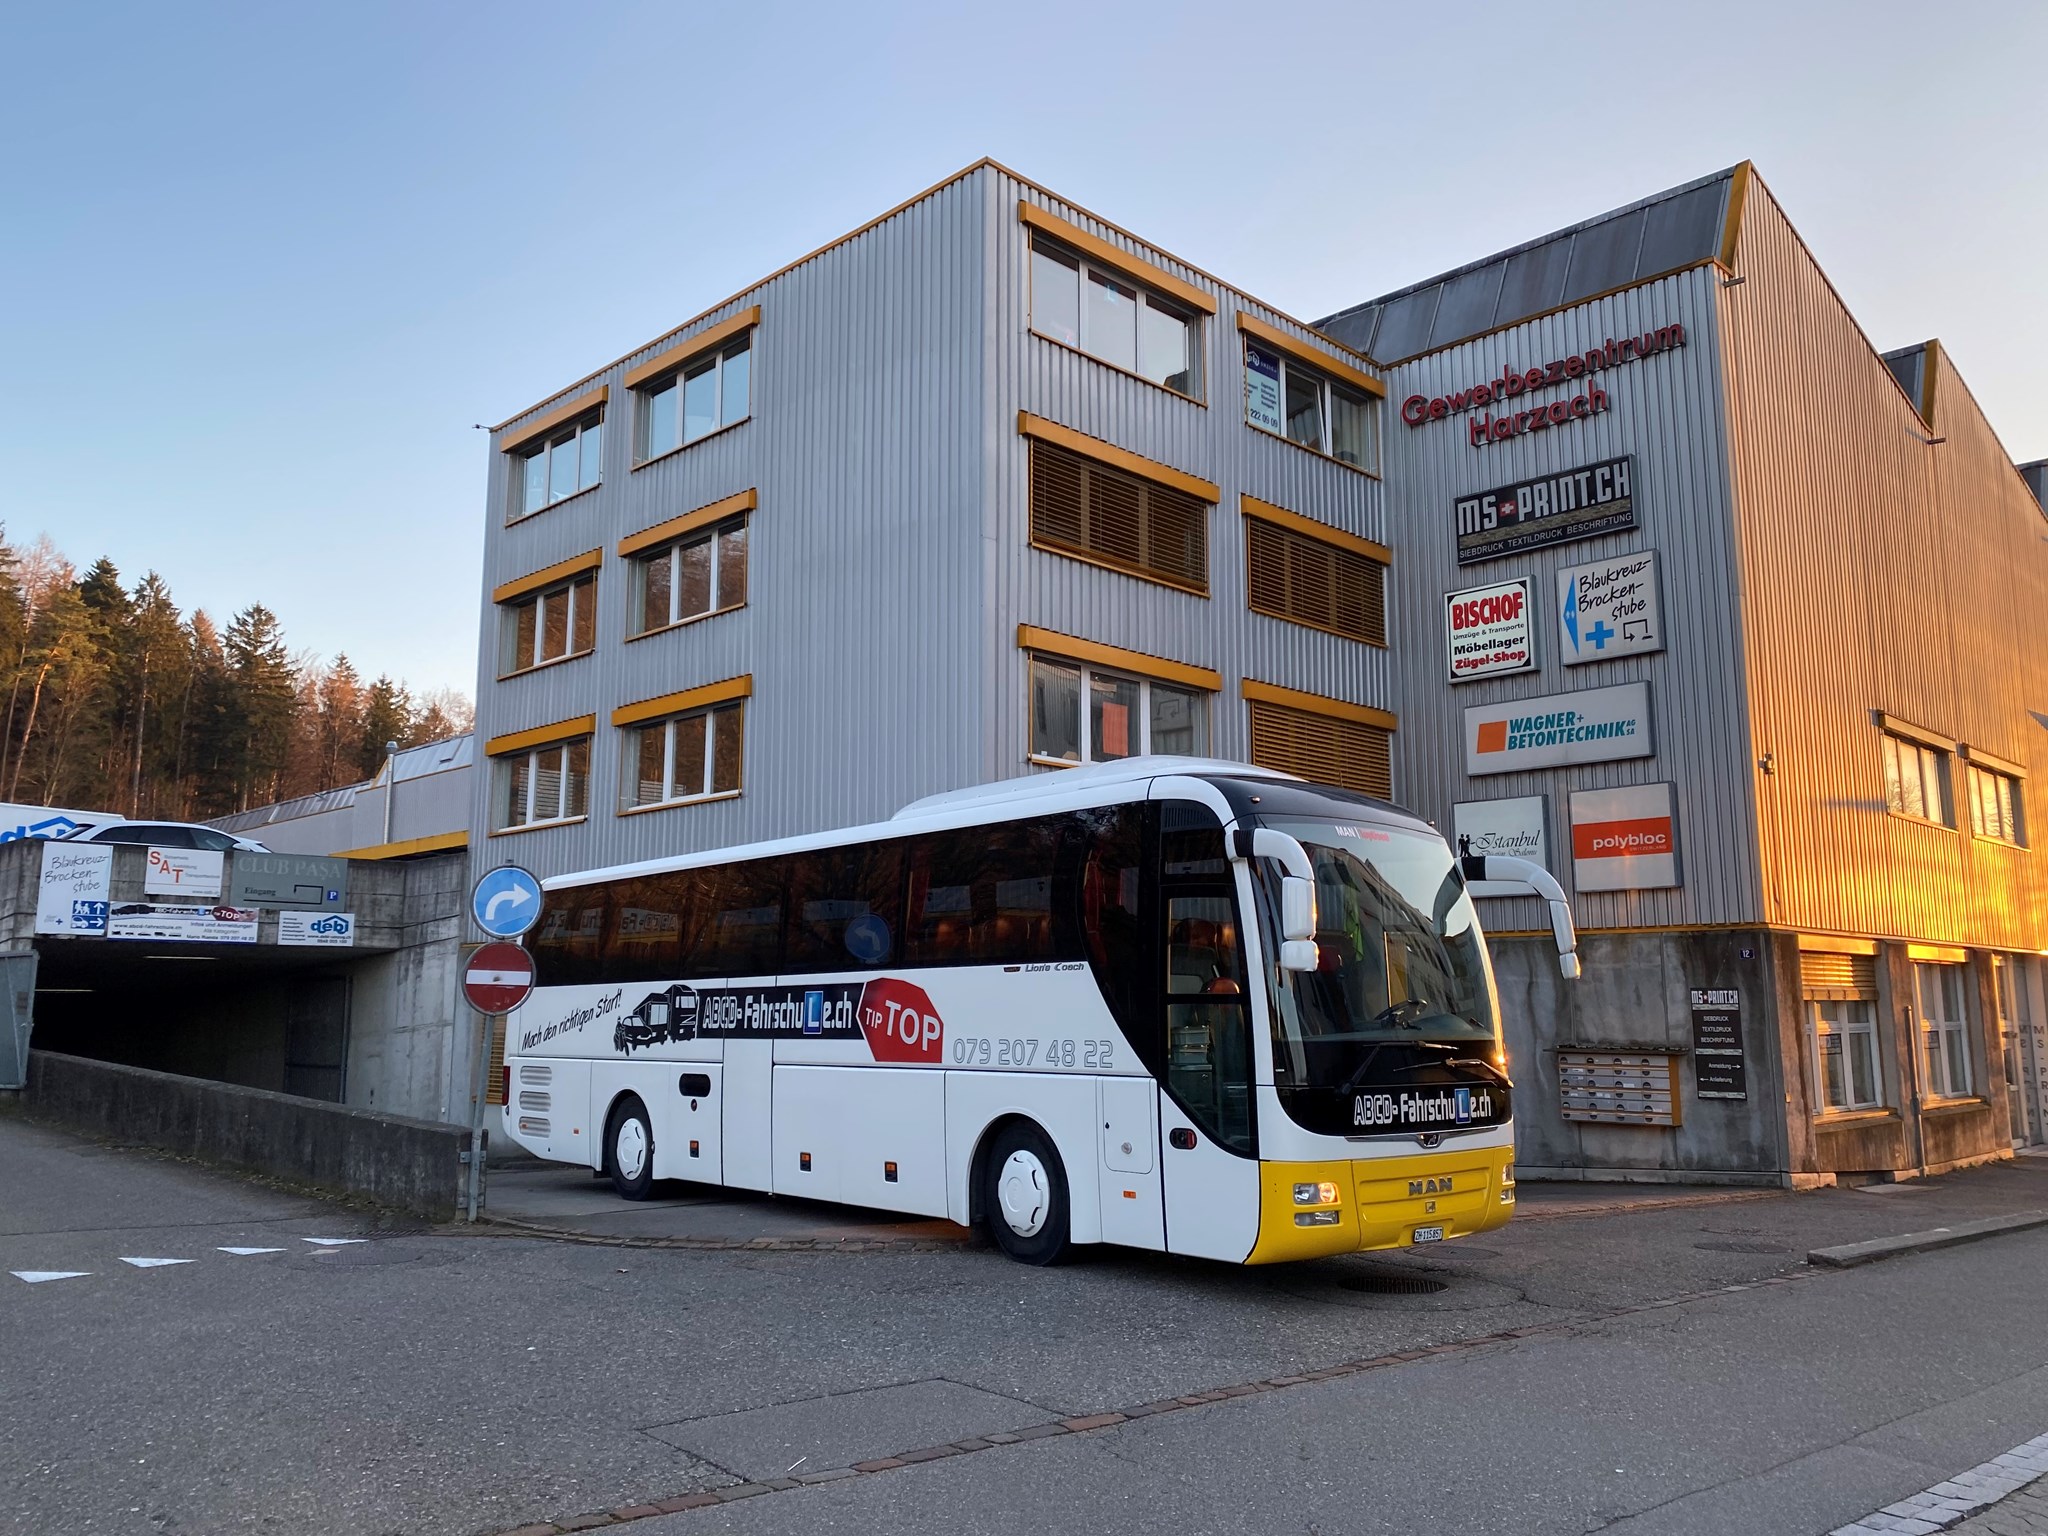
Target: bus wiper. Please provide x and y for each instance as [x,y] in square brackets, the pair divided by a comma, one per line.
[1480,1063]
[1394,1016]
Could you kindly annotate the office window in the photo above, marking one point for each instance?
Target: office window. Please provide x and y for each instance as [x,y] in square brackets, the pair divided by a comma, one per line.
[1082,714]
[1916,781]
[1291,576]
[1994,804]
[685,757]
[1845,1053]
[1944,1030]
[1314,411]
[1326,749]
[692,578]
[1138,526]
[1110,316]
[563,463]
[697,399]
[548,626]
[547,784]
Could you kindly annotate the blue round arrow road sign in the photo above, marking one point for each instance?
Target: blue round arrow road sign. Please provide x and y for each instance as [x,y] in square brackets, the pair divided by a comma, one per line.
[506,902]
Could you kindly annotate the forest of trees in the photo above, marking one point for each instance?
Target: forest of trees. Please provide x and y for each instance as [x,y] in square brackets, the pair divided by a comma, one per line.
[117,701]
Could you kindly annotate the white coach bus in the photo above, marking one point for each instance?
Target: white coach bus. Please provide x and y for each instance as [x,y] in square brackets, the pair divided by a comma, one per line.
[1177,1004]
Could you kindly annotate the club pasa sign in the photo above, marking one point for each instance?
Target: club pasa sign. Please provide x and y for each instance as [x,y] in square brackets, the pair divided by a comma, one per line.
[1580,503]
[1593,725]
[1489,630]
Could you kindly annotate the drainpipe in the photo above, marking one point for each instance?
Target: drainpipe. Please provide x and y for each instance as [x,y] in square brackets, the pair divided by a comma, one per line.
[390,784]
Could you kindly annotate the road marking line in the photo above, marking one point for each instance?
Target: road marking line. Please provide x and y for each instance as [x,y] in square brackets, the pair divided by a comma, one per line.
[38,1276]
[245,1252]
[1956,1499]
[154,1263]
[332,1242]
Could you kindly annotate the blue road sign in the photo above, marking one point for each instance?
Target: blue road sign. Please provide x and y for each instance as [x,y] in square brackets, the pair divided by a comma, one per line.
[506,902]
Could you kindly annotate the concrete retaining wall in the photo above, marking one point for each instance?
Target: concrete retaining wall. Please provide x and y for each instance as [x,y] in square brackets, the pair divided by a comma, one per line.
[410,1165]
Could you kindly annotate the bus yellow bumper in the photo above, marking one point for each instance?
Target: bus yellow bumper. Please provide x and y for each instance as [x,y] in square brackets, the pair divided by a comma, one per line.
[1381,1202]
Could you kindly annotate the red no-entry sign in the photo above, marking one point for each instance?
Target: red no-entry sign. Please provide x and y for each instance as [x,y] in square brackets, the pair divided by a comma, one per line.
[497,978]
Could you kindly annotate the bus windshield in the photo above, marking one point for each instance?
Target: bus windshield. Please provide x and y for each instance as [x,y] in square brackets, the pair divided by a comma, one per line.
[1402,984]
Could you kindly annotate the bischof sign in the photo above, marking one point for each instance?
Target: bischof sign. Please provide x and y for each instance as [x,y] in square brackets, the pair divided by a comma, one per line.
[1489,631]
[1580,503]
[1513,383]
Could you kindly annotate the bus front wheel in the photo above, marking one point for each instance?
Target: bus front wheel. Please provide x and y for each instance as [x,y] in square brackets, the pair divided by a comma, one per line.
[629,1149]
[1024,1195]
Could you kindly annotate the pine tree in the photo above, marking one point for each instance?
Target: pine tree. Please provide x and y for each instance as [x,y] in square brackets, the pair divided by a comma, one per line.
[387,717]
[261,704]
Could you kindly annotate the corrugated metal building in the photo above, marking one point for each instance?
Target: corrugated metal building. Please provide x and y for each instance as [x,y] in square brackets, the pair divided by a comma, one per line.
[972,488]
[1734,621]
[419,803]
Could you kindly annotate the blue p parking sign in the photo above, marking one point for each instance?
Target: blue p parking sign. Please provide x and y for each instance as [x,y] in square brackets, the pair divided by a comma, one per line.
[506,902]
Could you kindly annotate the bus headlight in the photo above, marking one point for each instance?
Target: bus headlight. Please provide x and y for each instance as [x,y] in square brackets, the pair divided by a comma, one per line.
[1324,1193]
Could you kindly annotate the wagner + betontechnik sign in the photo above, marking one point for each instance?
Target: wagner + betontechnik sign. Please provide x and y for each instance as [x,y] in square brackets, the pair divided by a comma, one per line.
[1593,725]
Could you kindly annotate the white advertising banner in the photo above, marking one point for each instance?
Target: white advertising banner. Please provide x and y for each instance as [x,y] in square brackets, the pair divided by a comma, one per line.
[1609,608]
[1262,389]
[1513,827]
[317,930]
[183,872]
[46,822]
[183,925]
[1594,725]
[1491,630]
[1625,839]
[76,881]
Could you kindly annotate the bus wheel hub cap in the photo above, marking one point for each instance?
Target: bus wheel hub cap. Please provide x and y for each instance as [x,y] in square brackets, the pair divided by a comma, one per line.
[1024,1193]
[631,1150]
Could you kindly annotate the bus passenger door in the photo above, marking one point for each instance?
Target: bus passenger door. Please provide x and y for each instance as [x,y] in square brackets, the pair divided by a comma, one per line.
[1209,1155]
[1128,1173]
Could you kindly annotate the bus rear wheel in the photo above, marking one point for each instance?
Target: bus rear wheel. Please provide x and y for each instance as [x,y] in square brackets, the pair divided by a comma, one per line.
[629,1149]
[1024,1195]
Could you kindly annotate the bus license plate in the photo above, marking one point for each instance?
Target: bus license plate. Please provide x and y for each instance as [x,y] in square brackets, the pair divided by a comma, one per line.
[1429,1234]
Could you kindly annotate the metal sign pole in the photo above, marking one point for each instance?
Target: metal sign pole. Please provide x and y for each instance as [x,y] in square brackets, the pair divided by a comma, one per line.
[479,1091]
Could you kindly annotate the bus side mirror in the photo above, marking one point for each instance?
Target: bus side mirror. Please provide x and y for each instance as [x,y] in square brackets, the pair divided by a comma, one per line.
[1297,954]
[1538,881]
[1297,911]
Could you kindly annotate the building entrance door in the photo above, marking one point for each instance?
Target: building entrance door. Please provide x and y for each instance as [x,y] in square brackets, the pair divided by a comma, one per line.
[316,1038]
[2020,1037]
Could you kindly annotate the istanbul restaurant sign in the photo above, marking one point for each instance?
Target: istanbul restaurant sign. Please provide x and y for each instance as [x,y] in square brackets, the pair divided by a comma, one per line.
[1516,390]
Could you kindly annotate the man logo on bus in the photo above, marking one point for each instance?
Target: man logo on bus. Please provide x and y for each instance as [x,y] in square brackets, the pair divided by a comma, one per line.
[900,1022]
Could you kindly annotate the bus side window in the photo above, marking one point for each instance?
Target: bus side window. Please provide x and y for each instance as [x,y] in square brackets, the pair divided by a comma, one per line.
[844,907]
[1208,1036]
[983,895]
[742,916]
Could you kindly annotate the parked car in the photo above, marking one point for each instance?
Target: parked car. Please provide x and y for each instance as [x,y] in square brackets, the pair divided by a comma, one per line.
[166,834]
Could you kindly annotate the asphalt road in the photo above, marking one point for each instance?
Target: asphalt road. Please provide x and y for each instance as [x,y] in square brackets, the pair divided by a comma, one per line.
[433,1382]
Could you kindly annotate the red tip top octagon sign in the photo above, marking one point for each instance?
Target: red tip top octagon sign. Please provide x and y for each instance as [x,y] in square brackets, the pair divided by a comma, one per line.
[497,978]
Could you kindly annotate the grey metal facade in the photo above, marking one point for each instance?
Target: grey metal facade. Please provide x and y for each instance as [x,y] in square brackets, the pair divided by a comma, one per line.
[1842,541]
[890,563]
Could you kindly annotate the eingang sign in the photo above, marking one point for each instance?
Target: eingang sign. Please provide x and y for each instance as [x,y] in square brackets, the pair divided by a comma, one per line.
[1580,503]
[1489,631]
[1594,725]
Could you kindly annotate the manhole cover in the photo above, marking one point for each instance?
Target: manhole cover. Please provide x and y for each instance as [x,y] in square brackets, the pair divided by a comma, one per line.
[1393,1285]
[1733,1246]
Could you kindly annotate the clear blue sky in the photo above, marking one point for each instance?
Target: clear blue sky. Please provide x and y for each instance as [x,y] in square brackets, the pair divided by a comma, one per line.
[266,264]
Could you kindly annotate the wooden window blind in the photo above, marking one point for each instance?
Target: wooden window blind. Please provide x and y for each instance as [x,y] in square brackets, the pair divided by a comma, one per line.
[1347,753]
[1084,508]
[1306,581]
[1846,978]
